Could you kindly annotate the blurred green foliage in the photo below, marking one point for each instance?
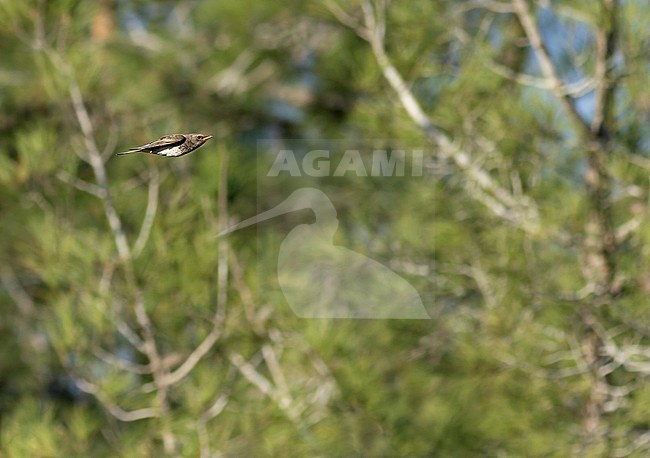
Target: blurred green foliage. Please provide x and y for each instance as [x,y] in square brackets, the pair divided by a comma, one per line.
[495,372]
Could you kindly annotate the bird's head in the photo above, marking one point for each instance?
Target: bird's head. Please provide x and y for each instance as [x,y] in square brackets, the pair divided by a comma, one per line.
[199,139]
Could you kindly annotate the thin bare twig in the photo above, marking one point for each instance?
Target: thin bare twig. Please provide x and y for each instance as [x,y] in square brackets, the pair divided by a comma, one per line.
[97,164]
[252,375]
[222,244]
[549,71]
[114,409]
[215,409]
[113,360]
[149,214]
[130,336]
[246,295]
[80,184]
[10,282]
[276,372]
[576,89]
[111,142]
[491,5]
[605,44]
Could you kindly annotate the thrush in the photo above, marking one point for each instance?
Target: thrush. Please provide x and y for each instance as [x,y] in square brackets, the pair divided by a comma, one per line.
[172,145]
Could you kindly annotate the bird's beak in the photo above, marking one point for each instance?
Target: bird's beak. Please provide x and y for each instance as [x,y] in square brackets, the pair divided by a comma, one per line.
[296,201]
[207,137]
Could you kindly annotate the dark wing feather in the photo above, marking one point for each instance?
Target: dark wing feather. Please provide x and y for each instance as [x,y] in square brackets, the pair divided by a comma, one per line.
[166,141]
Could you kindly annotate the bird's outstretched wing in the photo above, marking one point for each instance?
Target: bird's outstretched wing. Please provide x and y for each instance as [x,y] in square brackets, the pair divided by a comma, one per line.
[166,141]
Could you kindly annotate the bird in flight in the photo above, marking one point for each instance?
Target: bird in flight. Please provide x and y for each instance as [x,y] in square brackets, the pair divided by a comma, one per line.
[172,145]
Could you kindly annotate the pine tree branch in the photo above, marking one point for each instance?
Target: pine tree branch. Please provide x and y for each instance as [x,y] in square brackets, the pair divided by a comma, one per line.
[519,210]
[222,287]
[547,66]
[94,158]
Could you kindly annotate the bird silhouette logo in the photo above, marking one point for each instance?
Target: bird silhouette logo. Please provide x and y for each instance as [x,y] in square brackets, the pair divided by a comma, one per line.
[323,280]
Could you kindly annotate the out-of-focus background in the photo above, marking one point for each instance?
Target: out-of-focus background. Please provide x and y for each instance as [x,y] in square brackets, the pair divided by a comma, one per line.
[129,329]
